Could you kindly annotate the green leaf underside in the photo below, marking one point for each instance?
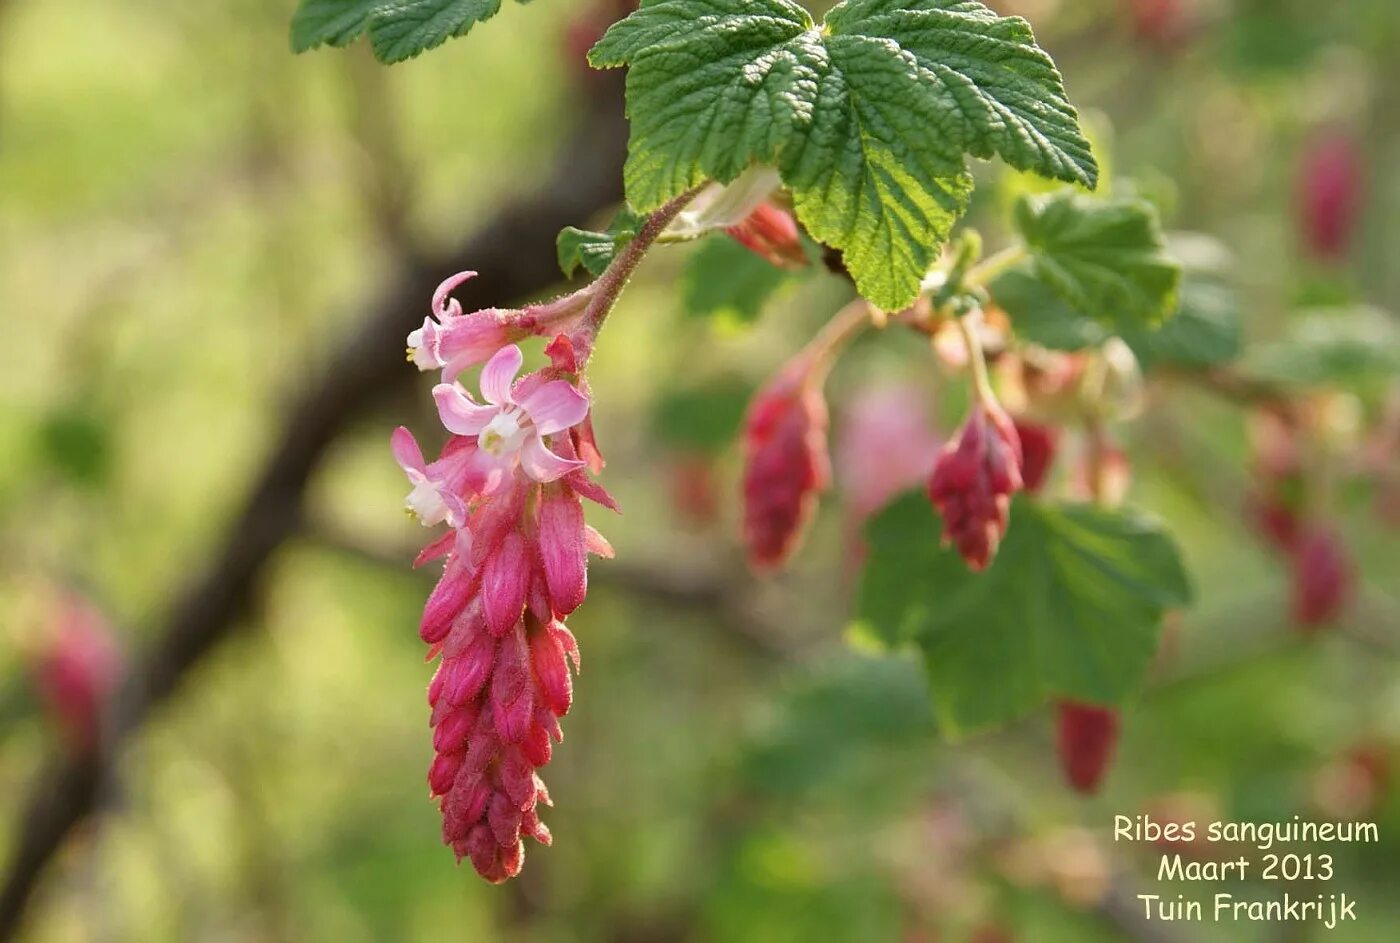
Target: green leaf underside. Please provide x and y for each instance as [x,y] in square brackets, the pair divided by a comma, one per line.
[869,118]
[1069,608]
[1106,259]
[594,251]
[398,29]
[724,280]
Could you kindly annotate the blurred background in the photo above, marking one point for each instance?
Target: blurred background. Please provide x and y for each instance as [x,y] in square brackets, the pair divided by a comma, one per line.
[210,250]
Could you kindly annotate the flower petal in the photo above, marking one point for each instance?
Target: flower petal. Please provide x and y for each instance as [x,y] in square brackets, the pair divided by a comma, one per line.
[406,451]
[499,373]
[444,306]
[485,473]
[543,465]
[555,406]
[459,412]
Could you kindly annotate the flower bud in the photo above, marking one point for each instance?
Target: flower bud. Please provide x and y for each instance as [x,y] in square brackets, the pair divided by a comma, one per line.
[1323,577]
[1330,195]
[1087,737]
[973,482]
[771,233]
[1038,446]
[785,466]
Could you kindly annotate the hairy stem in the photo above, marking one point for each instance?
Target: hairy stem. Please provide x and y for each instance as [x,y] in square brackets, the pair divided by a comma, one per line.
[608,288]
[977,360]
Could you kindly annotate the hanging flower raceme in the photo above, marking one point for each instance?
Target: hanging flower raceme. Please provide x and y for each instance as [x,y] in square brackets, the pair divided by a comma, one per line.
[509,483]
[973,481]
[785,462]
[1087,737]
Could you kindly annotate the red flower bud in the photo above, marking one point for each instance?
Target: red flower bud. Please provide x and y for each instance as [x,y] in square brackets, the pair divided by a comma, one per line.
[1330,195]
[973,481]
[1086,740]
[1038,446]
[785,466]
[1323,577]
[771,233]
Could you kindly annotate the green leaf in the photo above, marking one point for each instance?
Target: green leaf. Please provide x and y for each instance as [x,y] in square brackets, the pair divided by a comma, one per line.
[1205,329]
[1106,259]
[594,251]
[398,29]
[724,280]
[1353,348]
[869,118]
[1069,608]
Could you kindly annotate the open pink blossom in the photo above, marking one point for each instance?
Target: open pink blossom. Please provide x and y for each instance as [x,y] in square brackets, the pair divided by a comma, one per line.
[510,427]
[453,341]
[436,487]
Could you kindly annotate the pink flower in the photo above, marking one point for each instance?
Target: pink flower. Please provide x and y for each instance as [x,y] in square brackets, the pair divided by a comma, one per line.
[785,464]
[885,445]
[511,426]
[973,482]
[455,340]
[76,670]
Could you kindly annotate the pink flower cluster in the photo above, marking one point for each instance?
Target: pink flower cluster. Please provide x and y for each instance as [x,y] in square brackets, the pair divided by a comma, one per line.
[973,482]
[509,483]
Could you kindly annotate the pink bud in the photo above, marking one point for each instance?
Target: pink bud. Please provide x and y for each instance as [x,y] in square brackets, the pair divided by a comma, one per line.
[1088,735]
[443,771]
[469,625]
[512,858]
[446,601]
[973,481]
[771,233]
[531,825]
[505,579]
[464,804]
[77,670]
[1038,446]
[563,549]
[537,748]
[518,778]
[551,670]
[1323,577]
[504,818]
[1330,194]
[512,694]
[467,674]
[785,465]
[450,736]
[481,847]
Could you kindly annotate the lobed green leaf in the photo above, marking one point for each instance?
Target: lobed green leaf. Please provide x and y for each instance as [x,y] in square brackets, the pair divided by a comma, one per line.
[1070,607]
[869,118]
[398,29]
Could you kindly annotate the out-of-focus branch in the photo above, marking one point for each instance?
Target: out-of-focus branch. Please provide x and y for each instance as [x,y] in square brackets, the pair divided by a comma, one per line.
[515,254]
